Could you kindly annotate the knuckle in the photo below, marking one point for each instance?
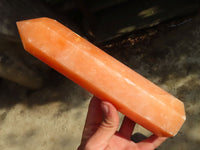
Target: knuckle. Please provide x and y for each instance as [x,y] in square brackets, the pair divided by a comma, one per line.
[108,124]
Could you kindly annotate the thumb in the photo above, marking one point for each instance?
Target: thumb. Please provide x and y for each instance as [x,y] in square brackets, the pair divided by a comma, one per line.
[107,128]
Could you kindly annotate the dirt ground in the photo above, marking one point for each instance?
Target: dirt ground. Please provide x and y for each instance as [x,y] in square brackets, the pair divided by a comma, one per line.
[52,118]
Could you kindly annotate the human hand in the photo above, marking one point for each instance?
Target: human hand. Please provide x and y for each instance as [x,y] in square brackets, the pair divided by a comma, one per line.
[100,131]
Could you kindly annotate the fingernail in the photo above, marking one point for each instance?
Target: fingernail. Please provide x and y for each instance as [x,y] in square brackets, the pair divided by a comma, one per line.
[105,108]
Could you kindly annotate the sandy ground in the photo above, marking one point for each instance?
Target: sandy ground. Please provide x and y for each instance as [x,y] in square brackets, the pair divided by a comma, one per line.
[53,117]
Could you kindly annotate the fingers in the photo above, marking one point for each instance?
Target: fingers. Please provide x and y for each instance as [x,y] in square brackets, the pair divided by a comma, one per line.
[93,120]
[107,128]
[151,143]
[94,115]
[127,127]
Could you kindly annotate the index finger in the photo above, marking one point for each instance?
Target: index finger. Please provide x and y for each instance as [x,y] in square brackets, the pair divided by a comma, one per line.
[93,120]
[94,115]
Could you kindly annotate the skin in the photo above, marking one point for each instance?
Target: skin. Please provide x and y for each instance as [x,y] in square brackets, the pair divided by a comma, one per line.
[100,131]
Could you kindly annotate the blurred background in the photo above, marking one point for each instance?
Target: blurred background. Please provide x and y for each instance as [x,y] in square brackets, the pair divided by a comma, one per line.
[41,109]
